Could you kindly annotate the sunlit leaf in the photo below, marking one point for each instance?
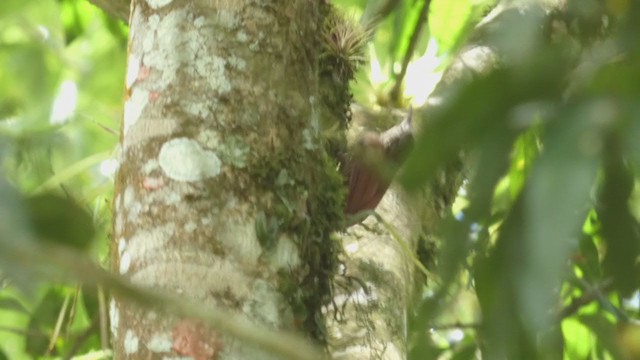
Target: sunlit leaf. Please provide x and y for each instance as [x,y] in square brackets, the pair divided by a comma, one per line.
[605,332]
[579,339]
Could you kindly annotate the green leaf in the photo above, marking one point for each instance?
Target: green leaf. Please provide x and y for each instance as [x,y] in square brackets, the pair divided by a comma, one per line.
[465,352]
[60,220]
[15,235]
[448,21]
[517,282]
[605,332]
[10,303]
[620,229]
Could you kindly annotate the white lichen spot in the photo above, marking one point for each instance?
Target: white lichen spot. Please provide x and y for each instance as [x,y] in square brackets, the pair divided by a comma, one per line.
[122,245]
[133,108]
[237,62]
[171,198]
[147,241]
[134,211]
[165,48]
[130,342]
[309,139]
[228,19]
[116,202]
[196,108]
[351,248]
[241,240]
[285,255]
[160,343]
[114,317]
[148,41]
[235,152]
[129,196]
[242,36]
[133,68]
[214,68]
[200,21]
[125,263]
[190,227]
[206,220]
[150,166]
[264,304]
[118,226]
[209,138]
[183,159]
[156,4]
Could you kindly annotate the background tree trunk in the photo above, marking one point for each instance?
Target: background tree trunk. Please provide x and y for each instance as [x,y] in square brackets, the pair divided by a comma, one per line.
[220,158]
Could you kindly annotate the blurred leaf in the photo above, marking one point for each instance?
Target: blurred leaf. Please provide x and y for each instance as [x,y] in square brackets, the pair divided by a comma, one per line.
[589,259]
[526,150]
[481,108]
[629,340]
[619,228]
[579,339]
[406,21]
[73,170]
[465,352]
[605,332]
[14,233]
[519,277]
[74,18]
[10,303]
[450,21]
[60,220]
[423,348]
[90,302]
[95,355]
[491,162]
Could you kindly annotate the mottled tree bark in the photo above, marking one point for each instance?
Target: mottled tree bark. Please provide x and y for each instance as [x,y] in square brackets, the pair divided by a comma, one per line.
[218,141]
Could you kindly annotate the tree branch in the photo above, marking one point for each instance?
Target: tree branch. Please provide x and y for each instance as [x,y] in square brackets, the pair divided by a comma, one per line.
[119,9]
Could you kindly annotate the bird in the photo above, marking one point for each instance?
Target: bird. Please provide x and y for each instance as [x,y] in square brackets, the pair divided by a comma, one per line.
[372,162]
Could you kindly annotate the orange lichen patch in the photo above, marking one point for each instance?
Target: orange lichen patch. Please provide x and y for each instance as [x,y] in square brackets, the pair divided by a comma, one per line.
[143,73]
[153,96]
[152,183]
[192,338]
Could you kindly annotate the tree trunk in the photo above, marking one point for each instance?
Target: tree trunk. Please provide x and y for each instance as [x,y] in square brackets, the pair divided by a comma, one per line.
[221,173]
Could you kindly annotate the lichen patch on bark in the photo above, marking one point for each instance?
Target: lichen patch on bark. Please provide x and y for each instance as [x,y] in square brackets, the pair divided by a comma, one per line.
[183,159]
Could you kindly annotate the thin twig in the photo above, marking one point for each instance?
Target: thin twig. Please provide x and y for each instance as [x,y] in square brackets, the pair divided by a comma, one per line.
[58,327]
[285,344]
[456,325]
[592,293]
[102,311]
[23,332]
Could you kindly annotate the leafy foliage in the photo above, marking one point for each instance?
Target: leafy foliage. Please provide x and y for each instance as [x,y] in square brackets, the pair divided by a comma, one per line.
[60,99]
